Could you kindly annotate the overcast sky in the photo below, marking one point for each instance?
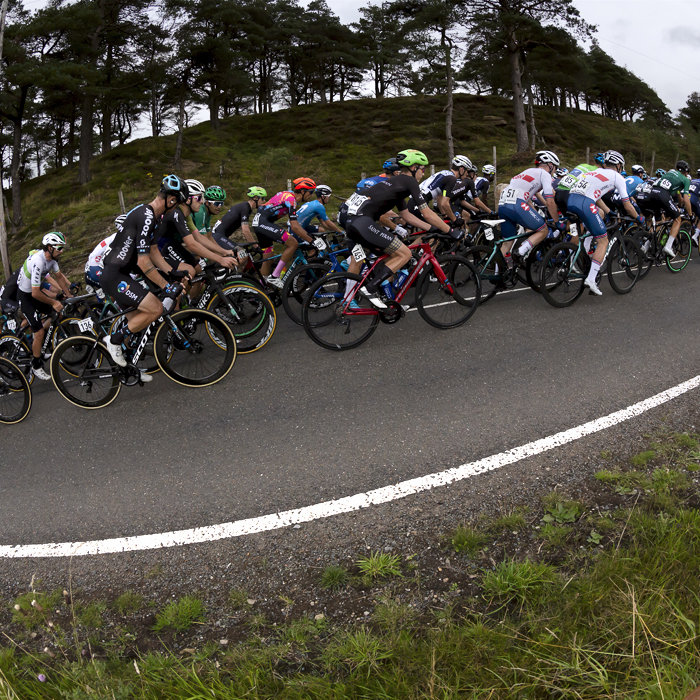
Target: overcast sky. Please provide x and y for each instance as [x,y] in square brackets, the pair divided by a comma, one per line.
[646,36]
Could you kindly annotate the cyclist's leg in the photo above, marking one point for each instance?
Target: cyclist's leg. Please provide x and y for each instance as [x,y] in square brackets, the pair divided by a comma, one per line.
[587,210]
[509,228]
[33,310]
[672,210]
[530,220]
[277,233]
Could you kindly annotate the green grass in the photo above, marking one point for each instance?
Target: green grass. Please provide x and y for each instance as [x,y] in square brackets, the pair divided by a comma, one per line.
[334,577]
[91,614]
[33,608]
[128,603]
[643,458]
[379,565]
[467,539]
[332,143]
[238,599]
[180,615]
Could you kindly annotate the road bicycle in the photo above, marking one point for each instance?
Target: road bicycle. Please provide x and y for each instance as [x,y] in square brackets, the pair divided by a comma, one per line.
[652,238]
[337,315]
[15,393]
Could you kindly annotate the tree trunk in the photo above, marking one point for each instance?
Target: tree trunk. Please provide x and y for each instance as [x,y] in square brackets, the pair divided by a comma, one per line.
[450,103]
[71,139]
[214,108]
[14,174]
[106,129]
[155,126]
[533,129]
[518,106]
[85,140]
[177,164]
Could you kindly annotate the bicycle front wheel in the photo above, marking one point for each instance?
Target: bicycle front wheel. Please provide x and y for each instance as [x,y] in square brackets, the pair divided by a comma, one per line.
[625,262]
[195,348]
[330,320]
[645,241]
[89,382]
[452,303]
[15,393]
[298,284]
[682,248]
[491,268]
[563,272]
[533,264]
[16,350]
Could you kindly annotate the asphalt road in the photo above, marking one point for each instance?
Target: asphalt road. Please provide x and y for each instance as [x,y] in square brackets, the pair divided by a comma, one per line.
[294,424]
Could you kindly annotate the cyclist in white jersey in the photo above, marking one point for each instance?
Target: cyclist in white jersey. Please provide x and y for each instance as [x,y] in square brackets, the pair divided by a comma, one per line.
[584,201]
[95,263]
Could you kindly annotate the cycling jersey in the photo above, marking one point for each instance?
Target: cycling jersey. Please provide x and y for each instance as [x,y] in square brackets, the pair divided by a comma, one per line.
[8,292]
[133,238]
[172,228]
[202,220]
[482,186]
[310,211]
[232,220]
[526,185]
[694,191]
[96,258]
[433,186]
[282,204]
[566,182]
[370,182]
[594,184]
[673,182]
[633,184]
[385,195]
[35,268]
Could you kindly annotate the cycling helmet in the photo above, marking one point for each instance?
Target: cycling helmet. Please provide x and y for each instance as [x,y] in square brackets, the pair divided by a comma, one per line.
[303,183]
[599,158]
[613,158]
[173,185]
[546,157]
[682,166]
[410,156]
[488,170]
[323,191]
[660,172]
[195,187]
[215,194]
[55,238]
[391,166]
[638,170]
[624,173]
[253,192]
[560,172]
[119,221]
[462,162]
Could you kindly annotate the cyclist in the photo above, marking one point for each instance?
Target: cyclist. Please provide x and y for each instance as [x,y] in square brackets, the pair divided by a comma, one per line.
[317,210]
[214,198]
[178,244]
[659,172]
[264,226]
[95,263]
[33,300]
[694,192]
[562,186]
[661,200]
[515,208]
[9,304]
[364,211]
[237,218]
[134,251]
[390,168]
[482,185]
[584,201]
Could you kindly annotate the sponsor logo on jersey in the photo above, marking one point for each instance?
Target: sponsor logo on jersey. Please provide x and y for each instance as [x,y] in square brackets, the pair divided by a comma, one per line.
[524,206]
[121,255]
[122,287]
[523,176]
[131,295]
[98,272]
[594,209]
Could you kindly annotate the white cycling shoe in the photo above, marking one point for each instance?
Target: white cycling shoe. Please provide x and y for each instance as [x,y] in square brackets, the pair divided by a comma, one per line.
[669,252]
[40,373]
[145,378]
[373,298]
[274,281]
[115,351]
[595,289]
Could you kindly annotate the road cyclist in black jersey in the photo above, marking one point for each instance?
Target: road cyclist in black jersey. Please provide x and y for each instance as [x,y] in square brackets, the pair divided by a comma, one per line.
[365,211]
[237,217]
[134,252]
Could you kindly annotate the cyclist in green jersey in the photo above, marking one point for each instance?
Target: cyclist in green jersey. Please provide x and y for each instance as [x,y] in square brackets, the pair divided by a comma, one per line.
[214,198]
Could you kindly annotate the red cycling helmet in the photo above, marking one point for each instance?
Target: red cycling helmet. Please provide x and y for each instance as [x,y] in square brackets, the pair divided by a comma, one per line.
[303,183]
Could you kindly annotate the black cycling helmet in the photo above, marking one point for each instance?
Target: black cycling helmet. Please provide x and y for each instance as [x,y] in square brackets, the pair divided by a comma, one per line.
[391,166]
[682,166]
[173,185]
[697,174]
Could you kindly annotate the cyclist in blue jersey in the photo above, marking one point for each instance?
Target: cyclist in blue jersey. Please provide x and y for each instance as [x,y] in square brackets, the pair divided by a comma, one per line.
[391,167]
[316,209]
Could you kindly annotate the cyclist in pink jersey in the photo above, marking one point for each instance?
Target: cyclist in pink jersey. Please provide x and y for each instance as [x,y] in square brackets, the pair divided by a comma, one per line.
[264,226]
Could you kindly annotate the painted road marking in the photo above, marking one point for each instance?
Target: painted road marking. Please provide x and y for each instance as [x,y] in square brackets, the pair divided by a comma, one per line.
[326,509]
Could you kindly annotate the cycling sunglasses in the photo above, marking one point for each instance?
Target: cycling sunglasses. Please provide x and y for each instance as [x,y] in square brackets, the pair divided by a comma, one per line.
[214,203]
[196,198]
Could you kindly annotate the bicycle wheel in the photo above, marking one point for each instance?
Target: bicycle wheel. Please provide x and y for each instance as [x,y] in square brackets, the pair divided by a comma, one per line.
[18,351]
[333,323]
[147,362]
[645,241]
[489,269]
[564,270]
[15,393]
[441,306]
[248,312]
[195,347]
[92,383]
[533,264]
[298,284]
[624,264]
[683,247]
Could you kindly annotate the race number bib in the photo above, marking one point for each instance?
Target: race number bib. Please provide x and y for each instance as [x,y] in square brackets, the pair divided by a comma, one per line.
[320,243]
[567,182]
[665,184]
[85,325]
[358,252]
[580,187]
[355,202]
[256,219]
[509,196]
[11,325]
[488,234]
[573,229]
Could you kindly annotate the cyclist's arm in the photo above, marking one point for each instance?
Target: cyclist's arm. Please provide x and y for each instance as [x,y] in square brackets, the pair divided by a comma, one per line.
[40,295]
[147,264]
[248,234]
[295,226]
[685,199]
[481,205]
[468,206]
[444,206]
[196,243]
[211,245]
[63,283]
[541,199]
[429,217]
[330,226]
[631,211]
[601,205]
[388,220]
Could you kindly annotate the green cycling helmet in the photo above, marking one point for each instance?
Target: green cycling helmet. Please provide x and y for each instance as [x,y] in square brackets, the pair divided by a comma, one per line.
[411,156]
[215,194]
[253,192]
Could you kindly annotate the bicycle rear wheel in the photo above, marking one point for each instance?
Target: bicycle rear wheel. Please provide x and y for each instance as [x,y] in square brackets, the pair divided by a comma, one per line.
[533,265]
[564,270]
[445,308]
[15,393]
[248,312]
[683,247]
[624,264]
[94,381]
[298,284]
[195,348]
[489,269]
[147,362]
[645,241]
[16,350]
[331,322]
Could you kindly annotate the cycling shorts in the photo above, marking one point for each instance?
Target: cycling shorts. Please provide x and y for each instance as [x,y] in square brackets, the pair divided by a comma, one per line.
[695,205]
[343,214]
[520,213]
[125,290]
[33,309]
[589,213]
[175,254]
[222,241]
[561,197]
[659,201]
[268,232]
[8,306]
[93,275]
[367,232]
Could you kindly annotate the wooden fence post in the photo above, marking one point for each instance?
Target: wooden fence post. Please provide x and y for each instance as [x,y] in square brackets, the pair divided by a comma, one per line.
[588,155]
[432,169]
[121,202]
[653,158]
[363,176]
[495,179]
[289,185]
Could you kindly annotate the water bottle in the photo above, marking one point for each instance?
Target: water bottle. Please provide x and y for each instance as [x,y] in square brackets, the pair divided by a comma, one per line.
[401,276]
[387,290]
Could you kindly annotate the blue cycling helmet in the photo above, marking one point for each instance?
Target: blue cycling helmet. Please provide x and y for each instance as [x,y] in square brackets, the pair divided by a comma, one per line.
[600,158]
[624,173]
[660,172]
[173,185]
[391,165]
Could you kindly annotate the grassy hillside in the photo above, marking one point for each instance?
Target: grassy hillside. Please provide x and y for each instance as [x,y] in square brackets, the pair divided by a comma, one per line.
[332,143]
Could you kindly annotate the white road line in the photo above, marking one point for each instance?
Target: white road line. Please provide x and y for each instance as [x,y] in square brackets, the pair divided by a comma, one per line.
[385,494]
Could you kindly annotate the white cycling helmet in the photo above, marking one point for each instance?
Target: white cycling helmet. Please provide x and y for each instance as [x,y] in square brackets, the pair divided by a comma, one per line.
[119,221]
[55,238]
[614,158]
[560,172]
[462,162]
[323,191]
[546,157]
[194,187]
[638,170]
[488,170]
